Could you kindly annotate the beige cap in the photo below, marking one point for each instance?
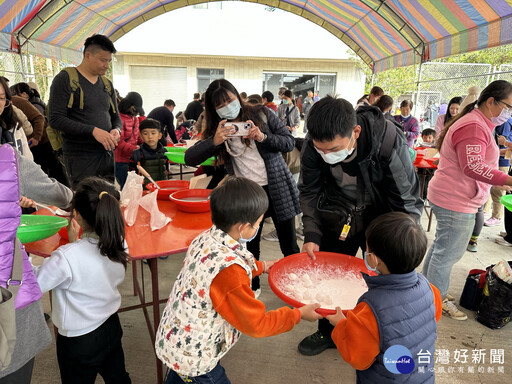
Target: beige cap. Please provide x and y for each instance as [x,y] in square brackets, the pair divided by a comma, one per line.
[33,85]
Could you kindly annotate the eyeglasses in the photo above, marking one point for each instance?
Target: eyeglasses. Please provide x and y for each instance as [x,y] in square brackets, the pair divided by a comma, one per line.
[6,101]
[509,107]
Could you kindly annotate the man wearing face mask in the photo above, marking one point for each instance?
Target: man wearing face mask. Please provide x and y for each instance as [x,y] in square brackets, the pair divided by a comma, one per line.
[354,167]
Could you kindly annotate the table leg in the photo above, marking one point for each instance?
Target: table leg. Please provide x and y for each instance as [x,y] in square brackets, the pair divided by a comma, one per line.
[153,267]
[134,273]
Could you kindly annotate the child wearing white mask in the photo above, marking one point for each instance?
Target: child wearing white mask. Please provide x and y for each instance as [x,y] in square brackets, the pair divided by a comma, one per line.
[211,302]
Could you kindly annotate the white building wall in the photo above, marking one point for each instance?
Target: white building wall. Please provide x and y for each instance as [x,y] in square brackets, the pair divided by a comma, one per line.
[246,73]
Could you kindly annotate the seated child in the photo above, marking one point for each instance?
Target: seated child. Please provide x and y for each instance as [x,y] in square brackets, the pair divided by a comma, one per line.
[399,308]
[427,138]
[185,130]
[151,154]
[211,302]
[84,276]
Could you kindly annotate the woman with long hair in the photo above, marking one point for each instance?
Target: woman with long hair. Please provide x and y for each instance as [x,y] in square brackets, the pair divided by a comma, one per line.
[256,156]
[451,111]
[468,167]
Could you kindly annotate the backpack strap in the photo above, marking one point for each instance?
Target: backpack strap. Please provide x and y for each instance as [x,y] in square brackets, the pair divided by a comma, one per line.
[388,142]
[108,86]
[74,83]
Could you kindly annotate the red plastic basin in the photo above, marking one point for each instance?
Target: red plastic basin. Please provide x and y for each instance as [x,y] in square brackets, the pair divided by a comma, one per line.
[325,261]
[192,200]
[168,187]
[63,232]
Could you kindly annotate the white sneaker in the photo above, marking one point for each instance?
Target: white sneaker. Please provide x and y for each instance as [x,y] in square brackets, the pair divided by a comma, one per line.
[271,236]
[449,297]
[503,242]
[257,293]
[450,309]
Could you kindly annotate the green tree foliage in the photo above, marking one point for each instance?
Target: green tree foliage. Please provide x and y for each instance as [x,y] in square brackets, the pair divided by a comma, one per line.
[399,81]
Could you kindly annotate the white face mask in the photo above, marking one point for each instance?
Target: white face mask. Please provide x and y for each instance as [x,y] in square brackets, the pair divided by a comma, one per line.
[338,156]
[502,118]
[229,111]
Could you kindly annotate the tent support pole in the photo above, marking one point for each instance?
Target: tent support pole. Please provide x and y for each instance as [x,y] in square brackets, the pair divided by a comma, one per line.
[418,87]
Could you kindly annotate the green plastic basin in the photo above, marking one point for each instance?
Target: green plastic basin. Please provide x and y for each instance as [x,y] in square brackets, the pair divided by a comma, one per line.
[38,227]
[506,200]
[177,155]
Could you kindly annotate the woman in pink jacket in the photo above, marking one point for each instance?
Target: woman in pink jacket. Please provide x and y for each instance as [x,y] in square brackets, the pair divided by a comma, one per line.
[129,108]
[468,167]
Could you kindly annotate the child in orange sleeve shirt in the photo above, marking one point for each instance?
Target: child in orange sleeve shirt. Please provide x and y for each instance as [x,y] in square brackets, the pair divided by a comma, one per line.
[400,309]
[211,302]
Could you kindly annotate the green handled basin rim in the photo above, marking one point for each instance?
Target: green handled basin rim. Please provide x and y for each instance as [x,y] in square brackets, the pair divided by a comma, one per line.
[178,156]
[506,200]
[39,227]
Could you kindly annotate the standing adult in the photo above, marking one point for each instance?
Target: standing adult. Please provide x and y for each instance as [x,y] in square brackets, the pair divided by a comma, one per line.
[504,130]
[452,110]
[468,166]
[316,97]
[372,98]
[289,113]
[385,104]
[408,122]
[164,114]
[194,108]
[355,164]
[256,157]
[87,117]
[306,106]
[268,100]
[29,102]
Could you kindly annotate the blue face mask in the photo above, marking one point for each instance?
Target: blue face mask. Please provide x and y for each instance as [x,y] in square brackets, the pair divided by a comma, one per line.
[230,111]
[242,240]
[368,266]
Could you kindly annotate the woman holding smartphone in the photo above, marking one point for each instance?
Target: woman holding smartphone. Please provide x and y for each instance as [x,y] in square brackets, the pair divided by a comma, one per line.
[256,156]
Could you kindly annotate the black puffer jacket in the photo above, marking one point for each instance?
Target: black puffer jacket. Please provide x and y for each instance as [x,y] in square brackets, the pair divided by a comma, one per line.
[391,182]
[282,188]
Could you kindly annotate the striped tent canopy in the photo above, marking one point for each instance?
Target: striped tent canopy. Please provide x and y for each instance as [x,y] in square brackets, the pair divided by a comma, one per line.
[384,33]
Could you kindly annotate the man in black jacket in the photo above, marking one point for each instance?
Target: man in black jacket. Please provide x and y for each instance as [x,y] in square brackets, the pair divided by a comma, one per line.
[354,167]
[194,108]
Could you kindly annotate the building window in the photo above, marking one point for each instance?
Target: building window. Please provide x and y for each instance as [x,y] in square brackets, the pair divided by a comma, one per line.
[206,75]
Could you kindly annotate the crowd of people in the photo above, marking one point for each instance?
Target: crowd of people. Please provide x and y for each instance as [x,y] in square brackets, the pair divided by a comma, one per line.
[350,184]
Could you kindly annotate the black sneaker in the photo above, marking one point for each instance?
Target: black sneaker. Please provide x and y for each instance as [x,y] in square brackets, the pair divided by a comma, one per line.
[315,344]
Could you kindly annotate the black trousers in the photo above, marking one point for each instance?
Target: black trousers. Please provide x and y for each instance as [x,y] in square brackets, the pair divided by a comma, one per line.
[81,358]
[330,243]
[285,233]
[82,165]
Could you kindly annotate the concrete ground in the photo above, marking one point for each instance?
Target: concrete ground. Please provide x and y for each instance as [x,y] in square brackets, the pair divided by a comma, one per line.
[276,360]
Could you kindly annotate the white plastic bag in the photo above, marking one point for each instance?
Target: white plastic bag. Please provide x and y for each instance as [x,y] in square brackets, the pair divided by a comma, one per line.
[130,196]
[158,219]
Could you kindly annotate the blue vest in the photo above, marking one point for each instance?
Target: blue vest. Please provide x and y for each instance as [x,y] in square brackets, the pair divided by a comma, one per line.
[405,311]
